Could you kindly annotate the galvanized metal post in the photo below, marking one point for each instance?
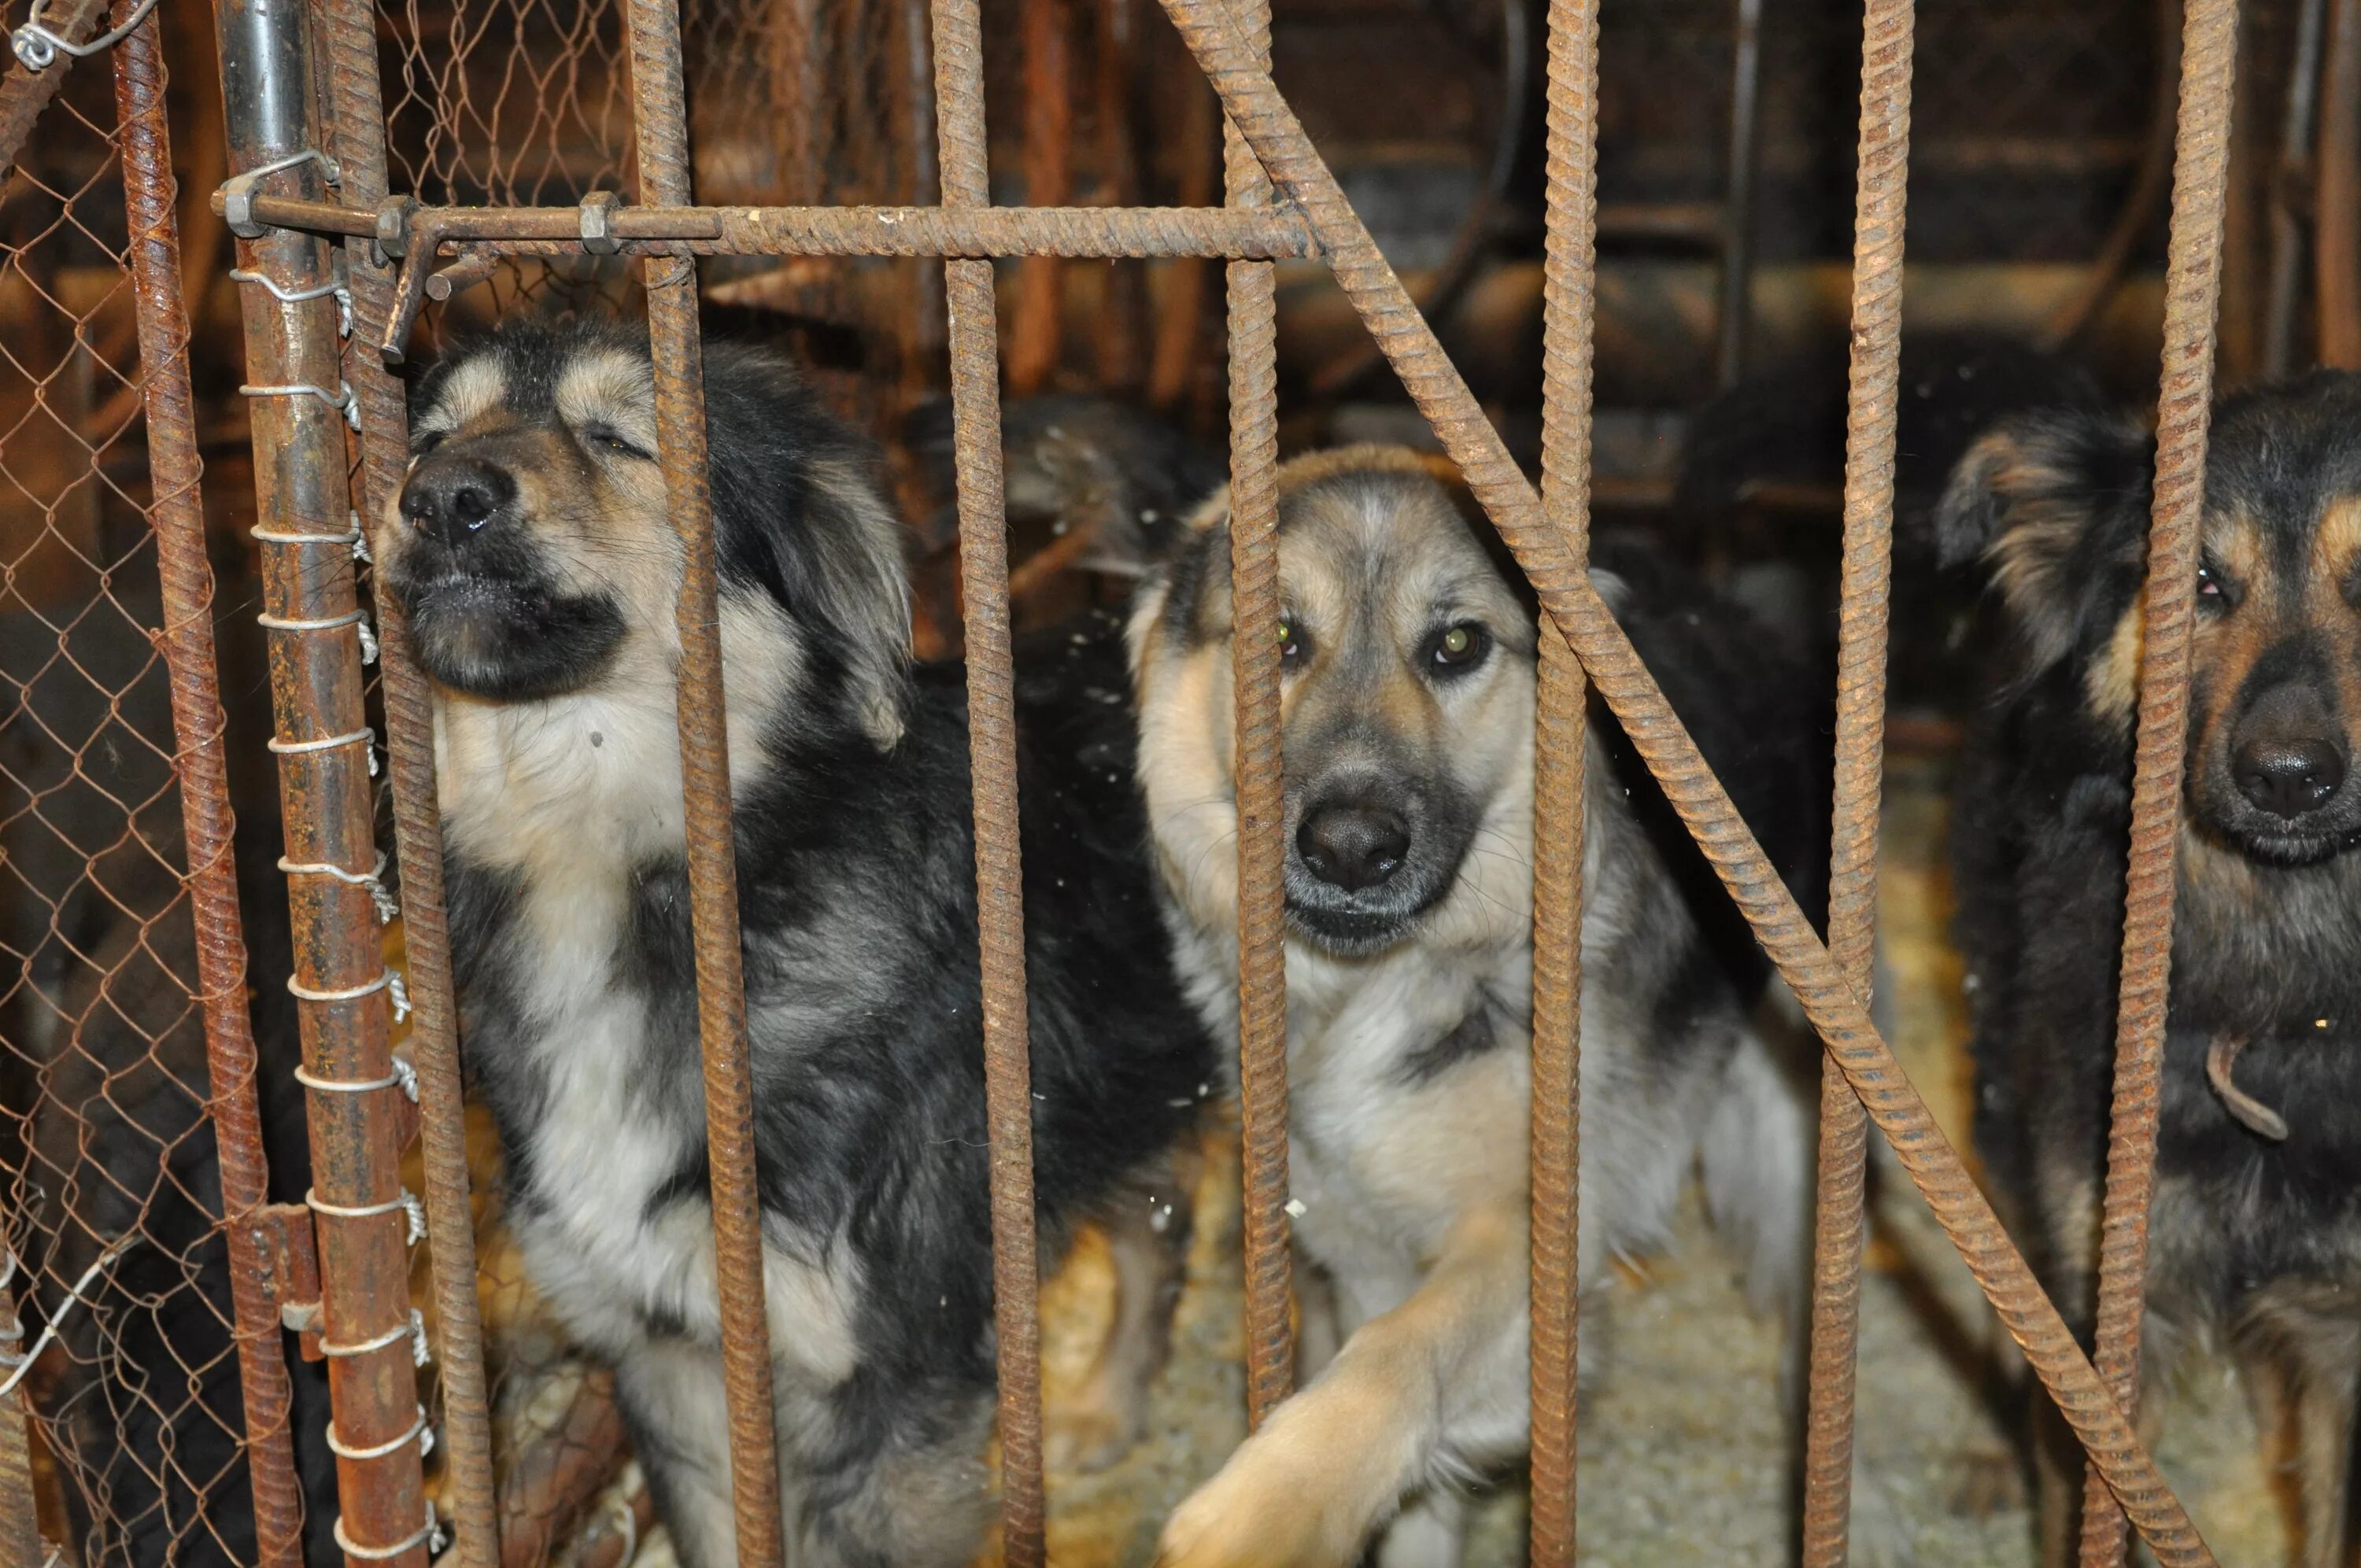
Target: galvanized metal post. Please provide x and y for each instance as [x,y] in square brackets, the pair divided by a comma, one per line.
[298,402]
[992,750]
[185,581]
[1568,299]
[662,121]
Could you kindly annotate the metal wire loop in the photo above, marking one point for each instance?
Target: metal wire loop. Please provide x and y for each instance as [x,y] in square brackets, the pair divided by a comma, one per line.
[419,1433]
[373,880]
[365,735]
[407,1202]
[341,399]
[39,48]
[334,288]
[346,1085]
[430,1535]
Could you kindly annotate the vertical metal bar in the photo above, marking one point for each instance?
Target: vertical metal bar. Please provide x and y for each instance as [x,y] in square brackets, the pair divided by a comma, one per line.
[1180,319]
[2337,206]
[1737,203]
[2286,228]
[1253,656]
[348,31]
[1568,299]
[1118,153]
[2193,286]
[661,120]
[303,506]
[1878,214]
[1037,326]
[176,511]
[20,1523]
[992,751]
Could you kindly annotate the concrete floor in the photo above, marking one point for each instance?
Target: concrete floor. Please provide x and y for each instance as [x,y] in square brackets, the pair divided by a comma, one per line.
[1683,1456]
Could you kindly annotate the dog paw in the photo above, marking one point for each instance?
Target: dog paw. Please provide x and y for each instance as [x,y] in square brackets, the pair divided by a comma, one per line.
[1262,1512]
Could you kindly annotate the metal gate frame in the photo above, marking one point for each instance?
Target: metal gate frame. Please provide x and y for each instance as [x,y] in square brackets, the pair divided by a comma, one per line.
[1283,202]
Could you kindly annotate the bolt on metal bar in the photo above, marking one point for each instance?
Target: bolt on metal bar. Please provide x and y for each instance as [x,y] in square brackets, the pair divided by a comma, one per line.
[1253,305]
[301,488]
[2184,410]
[661,120]
[185,581]
[1568,302]
[1879,210]
[992,750]
[348,31]
[1270,128]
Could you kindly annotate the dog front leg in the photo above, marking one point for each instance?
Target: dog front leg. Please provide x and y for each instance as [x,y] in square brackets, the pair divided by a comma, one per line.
[1331,1464]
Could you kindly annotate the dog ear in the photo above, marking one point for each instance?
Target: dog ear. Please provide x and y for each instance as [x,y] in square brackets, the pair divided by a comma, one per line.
[2046,500]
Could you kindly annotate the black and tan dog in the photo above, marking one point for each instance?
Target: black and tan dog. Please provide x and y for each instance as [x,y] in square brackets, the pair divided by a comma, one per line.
[1407,705]
[532,551]
[2256,1239]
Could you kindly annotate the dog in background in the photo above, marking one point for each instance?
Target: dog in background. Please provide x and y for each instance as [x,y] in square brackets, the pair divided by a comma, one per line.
[1407,702]
[532,549]
[2256,1240]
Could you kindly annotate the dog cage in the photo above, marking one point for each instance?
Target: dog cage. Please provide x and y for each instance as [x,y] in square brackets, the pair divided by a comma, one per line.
[134,887]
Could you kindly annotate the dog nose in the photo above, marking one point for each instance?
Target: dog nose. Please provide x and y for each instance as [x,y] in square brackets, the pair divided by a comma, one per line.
[1352,847]
[450,497]
[2287,778]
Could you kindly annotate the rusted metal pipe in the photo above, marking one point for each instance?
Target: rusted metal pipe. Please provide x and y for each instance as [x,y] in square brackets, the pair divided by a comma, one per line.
[25,93]
[1270,128]
[1261,848]
[296,403]
[348,29]
[992,754]
[185,583]
[1568,302]
[2337,206]
[1178,341]
[2193,291]
[661,120]
[1037,324]
[1882,186]
[20,1531]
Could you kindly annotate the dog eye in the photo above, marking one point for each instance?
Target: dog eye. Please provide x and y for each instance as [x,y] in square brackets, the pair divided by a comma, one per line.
[1458,648]
[1293,646]
[607,435]
[426,442]
[2208,583]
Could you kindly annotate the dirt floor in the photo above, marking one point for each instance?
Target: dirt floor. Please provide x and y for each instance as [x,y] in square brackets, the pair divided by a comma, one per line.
[1685,1459]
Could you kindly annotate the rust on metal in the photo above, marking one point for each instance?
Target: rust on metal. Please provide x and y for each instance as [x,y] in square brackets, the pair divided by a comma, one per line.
[303,502]
[24,93]
[2336,204]
[661,120]
[1036,324]
[1270,128]
[1261,849]
[286,1251]
[1568,303]
[349,38]
[2193,291]
[185,580]
[20,1534]
[992,750]
[1178,341]
[1868,552]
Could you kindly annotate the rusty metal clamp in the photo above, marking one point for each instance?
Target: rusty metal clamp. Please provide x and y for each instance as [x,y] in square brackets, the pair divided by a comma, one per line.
[38,48]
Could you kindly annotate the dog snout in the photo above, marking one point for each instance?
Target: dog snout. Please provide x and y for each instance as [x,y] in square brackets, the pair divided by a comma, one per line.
[1352,847]
[2288,777]
[451,497]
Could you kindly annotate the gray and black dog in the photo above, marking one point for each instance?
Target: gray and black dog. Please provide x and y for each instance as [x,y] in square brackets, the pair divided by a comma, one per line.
[534,553]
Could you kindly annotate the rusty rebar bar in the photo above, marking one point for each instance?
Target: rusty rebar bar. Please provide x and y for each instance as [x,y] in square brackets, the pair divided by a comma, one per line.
[661,120]
[1568,300]
[295,407]
[1269,126]
[2184,409]
[2336,204]
[185,584]
[1253,306]
[992,754]
[1036,326]
[348,29]
[24,93]
[1878,214]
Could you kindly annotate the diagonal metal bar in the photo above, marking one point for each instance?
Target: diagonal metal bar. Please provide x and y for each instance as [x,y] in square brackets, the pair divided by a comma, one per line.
[1878,214]
[1269,126]
[1254,653]
[991,740]
[2192,291]
[1568,300]
[661,120]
